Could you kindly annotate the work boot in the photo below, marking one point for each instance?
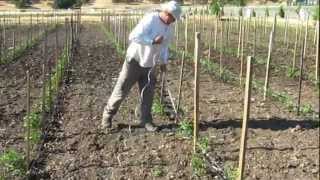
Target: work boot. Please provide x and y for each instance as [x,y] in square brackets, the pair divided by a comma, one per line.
[106,122]
[151,127]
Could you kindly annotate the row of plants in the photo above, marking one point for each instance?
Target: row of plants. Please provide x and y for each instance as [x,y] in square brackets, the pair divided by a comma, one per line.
[227,76]
[14,53]
[14,163]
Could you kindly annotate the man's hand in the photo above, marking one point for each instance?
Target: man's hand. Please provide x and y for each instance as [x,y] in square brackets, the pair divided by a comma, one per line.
[158,40]
[163,68]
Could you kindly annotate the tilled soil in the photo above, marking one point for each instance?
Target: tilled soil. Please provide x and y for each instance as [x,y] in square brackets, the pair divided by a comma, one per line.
[280,145]
[77,149]
[13,90]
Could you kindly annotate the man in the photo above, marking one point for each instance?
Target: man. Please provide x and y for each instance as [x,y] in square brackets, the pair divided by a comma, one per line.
[149,42]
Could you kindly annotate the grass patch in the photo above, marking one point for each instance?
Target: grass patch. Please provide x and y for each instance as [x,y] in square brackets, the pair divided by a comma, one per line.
[185,129]
[157,171]
[198,165]
[203,145]
[231,173]
[157,107]
[13,164]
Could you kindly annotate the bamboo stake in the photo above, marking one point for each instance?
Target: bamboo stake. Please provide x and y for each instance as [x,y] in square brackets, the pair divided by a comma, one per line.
[196,91]
[246,116]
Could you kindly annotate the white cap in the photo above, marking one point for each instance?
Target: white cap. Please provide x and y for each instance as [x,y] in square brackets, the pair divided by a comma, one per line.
[173,8]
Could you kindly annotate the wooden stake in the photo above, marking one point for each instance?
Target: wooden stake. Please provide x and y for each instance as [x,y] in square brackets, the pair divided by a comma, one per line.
[266,83]
[209,53]
[242,53]
[317,62]
[180,85]
[215,34]
[246,116]
[305,39]
[254,37]
[221,50]
[295,49]
[186,36]
[28,119]
[285,31]
[14,43]
[240,36]
[300,78]
[43,105]
[196,91]
[57,58]
[316,32]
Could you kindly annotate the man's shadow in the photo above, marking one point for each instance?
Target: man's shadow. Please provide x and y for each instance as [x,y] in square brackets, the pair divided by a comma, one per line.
[274,124]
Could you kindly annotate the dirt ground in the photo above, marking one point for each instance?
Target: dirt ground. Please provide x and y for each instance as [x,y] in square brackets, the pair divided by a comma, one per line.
[280,144]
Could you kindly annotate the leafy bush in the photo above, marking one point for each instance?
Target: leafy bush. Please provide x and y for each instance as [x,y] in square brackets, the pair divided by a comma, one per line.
[281,12]
[240,12]
[65,4]
[20,3]
[266,12]
[216,7]
[316,13]
[297,10]
[253,13]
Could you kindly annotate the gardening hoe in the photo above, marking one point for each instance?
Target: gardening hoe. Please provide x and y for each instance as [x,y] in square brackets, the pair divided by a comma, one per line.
[163,81]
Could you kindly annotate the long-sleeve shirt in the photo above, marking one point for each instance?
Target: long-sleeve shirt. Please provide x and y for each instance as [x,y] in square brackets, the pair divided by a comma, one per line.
[141,38]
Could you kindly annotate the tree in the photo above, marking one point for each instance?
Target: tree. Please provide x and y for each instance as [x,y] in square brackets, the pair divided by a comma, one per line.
[20,3]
